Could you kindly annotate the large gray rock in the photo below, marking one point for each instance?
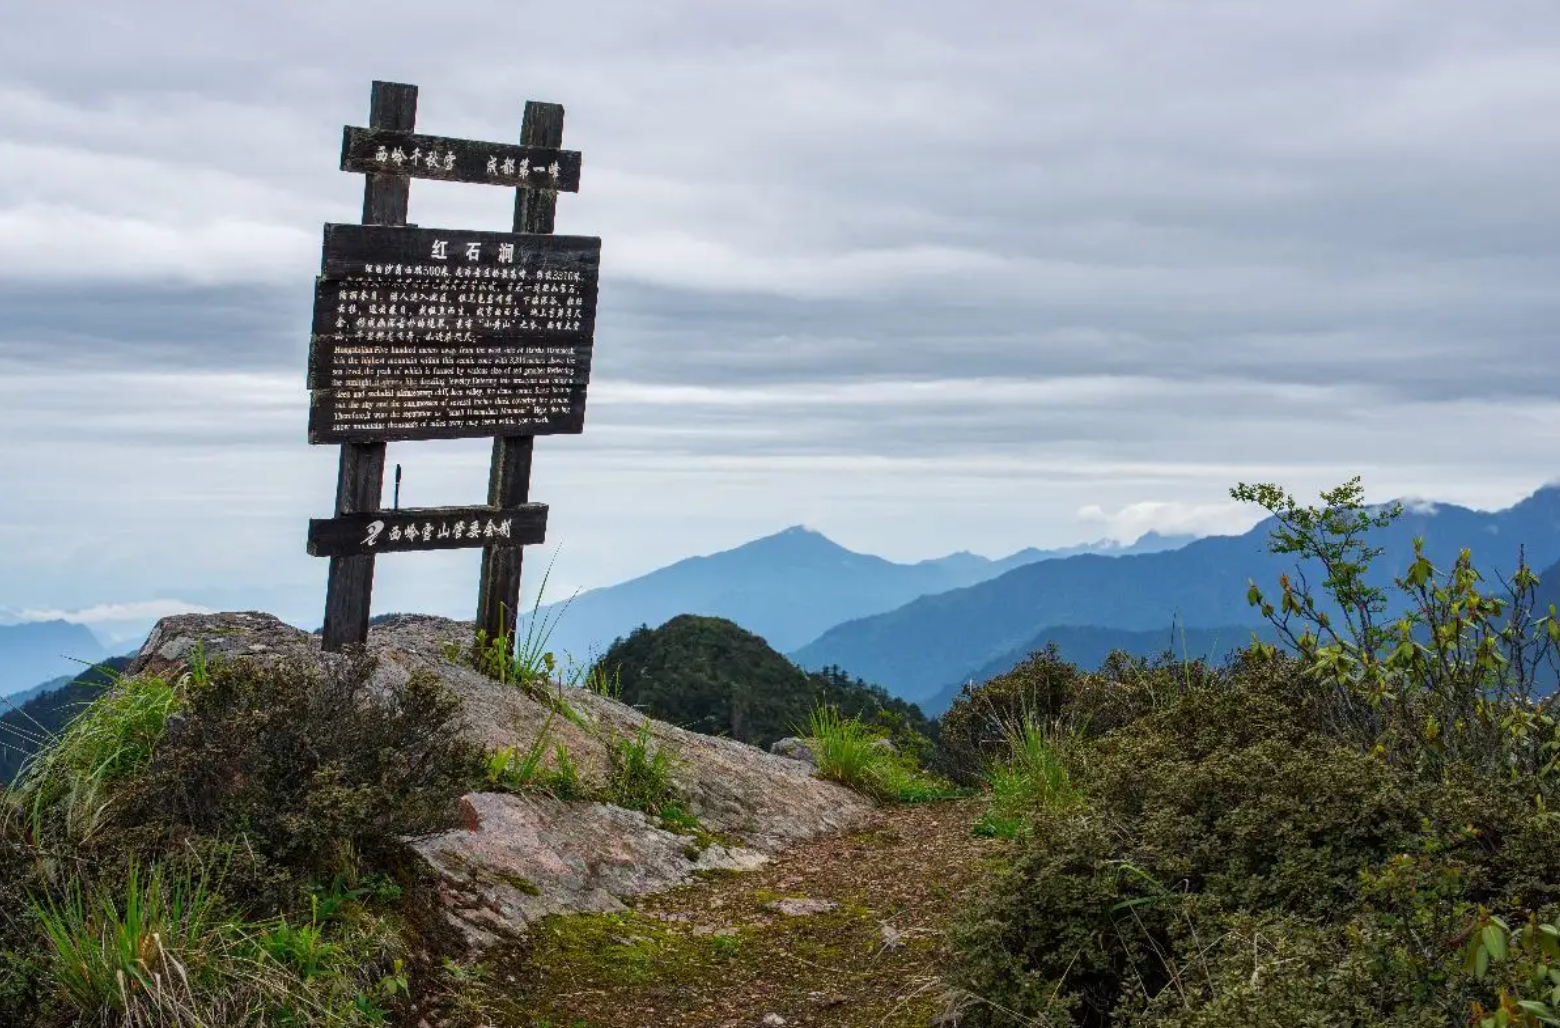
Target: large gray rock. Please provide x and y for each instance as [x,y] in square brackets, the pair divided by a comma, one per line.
[519,857]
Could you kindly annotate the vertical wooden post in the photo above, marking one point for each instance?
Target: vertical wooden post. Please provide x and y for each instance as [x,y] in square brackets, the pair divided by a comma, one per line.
[509,475]
[360,480]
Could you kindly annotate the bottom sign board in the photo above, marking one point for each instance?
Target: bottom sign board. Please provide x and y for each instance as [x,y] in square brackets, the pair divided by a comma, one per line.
[427,528]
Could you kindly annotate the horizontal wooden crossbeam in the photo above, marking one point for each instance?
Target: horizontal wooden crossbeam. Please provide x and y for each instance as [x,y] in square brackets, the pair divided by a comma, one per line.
[386,152]
[427,528]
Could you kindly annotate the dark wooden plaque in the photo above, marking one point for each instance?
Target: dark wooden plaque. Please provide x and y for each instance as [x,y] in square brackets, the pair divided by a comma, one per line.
[385,152]
[453,253]
[427,528]
[447,334]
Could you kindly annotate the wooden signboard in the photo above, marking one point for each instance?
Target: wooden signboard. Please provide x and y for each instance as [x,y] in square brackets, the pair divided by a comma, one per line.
[385,151]
[422,333]
[443,334]
[429,528]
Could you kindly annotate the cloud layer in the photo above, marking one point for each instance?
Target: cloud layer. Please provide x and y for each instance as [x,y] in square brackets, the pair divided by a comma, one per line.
[925,278]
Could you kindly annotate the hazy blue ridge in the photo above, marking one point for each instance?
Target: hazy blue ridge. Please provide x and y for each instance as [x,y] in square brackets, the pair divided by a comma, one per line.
[39,651]
[920,649]
[786,588]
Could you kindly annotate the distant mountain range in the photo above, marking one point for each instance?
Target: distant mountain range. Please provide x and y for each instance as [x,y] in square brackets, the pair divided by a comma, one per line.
[921,630]
[36,651]
[931,644]
[16,699]
[787,588]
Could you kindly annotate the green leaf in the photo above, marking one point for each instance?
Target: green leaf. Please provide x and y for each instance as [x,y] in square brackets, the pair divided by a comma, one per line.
[1481,963]
[1539,1010]
[1494,941]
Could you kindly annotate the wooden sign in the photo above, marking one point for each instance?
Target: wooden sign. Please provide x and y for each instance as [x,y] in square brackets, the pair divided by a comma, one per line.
[385,152]
[444,334]
[429,528]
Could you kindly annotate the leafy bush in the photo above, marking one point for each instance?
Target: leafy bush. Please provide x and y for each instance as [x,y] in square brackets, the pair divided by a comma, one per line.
[976,728]
[256,780]
[21,973]
[1340,837]
[303,765]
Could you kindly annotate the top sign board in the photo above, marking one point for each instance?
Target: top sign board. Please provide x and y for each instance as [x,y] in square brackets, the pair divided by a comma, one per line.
[385,152]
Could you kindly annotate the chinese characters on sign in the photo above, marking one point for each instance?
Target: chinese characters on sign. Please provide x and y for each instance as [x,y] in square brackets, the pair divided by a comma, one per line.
[423,333]
[471,531]
[459,160]
[431,528]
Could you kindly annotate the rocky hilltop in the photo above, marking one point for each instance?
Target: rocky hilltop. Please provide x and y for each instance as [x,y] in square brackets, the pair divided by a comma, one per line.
[519,857]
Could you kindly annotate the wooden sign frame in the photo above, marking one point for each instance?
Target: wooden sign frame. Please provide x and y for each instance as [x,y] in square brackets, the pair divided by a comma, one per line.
[537,169]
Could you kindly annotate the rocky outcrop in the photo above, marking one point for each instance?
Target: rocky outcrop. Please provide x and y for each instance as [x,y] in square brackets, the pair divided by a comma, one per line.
[519,857]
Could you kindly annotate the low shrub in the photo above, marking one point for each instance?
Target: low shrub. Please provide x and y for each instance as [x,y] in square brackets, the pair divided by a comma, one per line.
[976,727]
[1336,837]
[301,764]
[21,970]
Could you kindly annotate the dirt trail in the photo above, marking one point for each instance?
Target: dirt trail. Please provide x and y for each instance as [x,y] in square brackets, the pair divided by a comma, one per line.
[718,953]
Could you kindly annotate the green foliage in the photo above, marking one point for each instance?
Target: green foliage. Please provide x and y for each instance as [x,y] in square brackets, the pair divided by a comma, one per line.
[162,861]
[21,877]
[305,765]
[563,779]
[1530,996]
[508,771]
[1032,778]
[861,757]
[1465,699]
[152,955]
[38,722]
[902,723]
[846,750]
[979,723]
[709,675]
[1338,838]
[639,775]
[107,743]
[598,681]
[525,662]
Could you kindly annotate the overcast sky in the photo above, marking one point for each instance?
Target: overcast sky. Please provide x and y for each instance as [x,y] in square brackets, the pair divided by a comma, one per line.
[924,277]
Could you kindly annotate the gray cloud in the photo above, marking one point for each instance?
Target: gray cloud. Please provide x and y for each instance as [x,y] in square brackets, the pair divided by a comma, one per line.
[919,274]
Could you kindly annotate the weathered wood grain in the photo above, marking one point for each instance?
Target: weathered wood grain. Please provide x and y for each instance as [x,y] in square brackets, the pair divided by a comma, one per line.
[509,474]
[360,480]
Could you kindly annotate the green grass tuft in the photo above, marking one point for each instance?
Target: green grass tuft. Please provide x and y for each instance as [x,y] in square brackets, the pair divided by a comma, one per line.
[1033,778]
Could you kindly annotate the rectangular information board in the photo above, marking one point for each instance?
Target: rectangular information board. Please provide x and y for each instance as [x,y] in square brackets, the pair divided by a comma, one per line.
[442,333]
